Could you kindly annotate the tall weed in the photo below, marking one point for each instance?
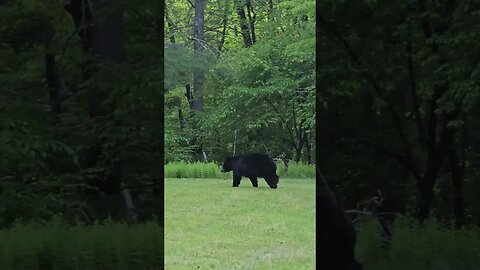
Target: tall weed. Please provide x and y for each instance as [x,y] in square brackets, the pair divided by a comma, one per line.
[212,170]
[100,246]
[414,246]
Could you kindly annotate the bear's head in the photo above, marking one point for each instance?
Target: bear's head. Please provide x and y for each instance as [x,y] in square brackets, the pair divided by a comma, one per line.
[228,164]
[272,183]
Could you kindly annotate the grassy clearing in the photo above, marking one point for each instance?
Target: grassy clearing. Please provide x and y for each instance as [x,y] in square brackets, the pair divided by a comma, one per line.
[210,225]
[212,171]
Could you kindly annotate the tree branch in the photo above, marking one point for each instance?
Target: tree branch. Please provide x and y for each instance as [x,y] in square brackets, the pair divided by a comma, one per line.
[191,4]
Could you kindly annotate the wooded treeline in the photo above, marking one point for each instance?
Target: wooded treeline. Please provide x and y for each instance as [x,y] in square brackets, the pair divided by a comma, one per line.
[80,108]
[400,85]
[240,78]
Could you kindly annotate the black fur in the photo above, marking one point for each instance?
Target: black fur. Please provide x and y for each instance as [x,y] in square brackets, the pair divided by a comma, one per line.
[252,166]
[337,238]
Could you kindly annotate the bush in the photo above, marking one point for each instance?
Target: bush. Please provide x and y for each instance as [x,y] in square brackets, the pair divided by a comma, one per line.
[56,245]
[414,246]
[212,170]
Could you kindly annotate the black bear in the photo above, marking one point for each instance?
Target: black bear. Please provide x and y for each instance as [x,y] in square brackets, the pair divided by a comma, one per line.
[252,166]
[337,238]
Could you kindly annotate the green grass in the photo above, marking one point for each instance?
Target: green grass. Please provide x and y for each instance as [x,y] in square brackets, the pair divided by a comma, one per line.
[210,225]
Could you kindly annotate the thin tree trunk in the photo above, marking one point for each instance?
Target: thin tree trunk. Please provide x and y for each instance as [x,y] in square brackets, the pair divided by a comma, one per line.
[457,171]
[181,119]
[198,74]
[224,32]
[301,143]
[434,163]
[189,95]
[82,18]
[244,28]
[309,149]
[301,137]
[107,34]
[198,43]
[270,10]
[53,84]
[414,92]
[251,20]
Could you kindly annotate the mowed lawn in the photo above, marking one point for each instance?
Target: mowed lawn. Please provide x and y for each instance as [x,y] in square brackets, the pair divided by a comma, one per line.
[210,225]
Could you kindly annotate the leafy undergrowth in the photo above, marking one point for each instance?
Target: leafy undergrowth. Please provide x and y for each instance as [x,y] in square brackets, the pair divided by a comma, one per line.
[212,170]
[210,225]
[58,246]
[431,246]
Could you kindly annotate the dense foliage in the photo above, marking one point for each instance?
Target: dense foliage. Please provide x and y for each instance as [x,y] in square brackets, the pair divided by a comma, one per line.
[400,87]
[259,89]
[81,97]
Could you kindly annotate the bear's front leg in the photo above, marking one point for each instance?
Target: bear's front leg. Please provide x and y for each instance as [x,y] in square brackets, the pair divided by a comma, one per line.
[254,181]
[236,180]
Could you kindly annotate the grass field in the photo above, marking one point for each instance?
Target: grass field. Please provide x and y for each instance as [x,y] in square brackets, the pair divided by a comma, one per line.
[210,225]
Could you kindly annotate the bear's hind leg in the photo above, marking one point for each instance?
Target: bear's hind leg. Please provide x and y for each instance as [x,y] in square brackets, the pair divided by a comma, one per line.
[254,181]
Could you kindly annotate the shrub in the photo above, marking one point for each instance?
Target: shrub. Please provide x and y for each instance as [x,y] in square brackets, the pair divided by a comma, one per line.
[212,170]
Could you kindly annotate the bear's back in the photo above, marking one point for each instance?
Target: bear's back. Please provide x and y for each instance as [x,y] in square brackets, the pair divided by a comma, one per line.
[256,164]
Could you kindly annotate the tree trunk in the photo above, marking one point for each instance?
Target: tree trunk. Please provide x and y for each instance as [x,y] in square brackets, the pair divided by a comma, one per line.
[301,137]
[426,197]
[435,155]
[53,84]
[457,169]
[251,20]
[224,32]
[435,158]
[82,18]
[189,95]
[309,149]
[107,34]
[247,40]
[198,43]
[270,10]
[459,202]
[181,119]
